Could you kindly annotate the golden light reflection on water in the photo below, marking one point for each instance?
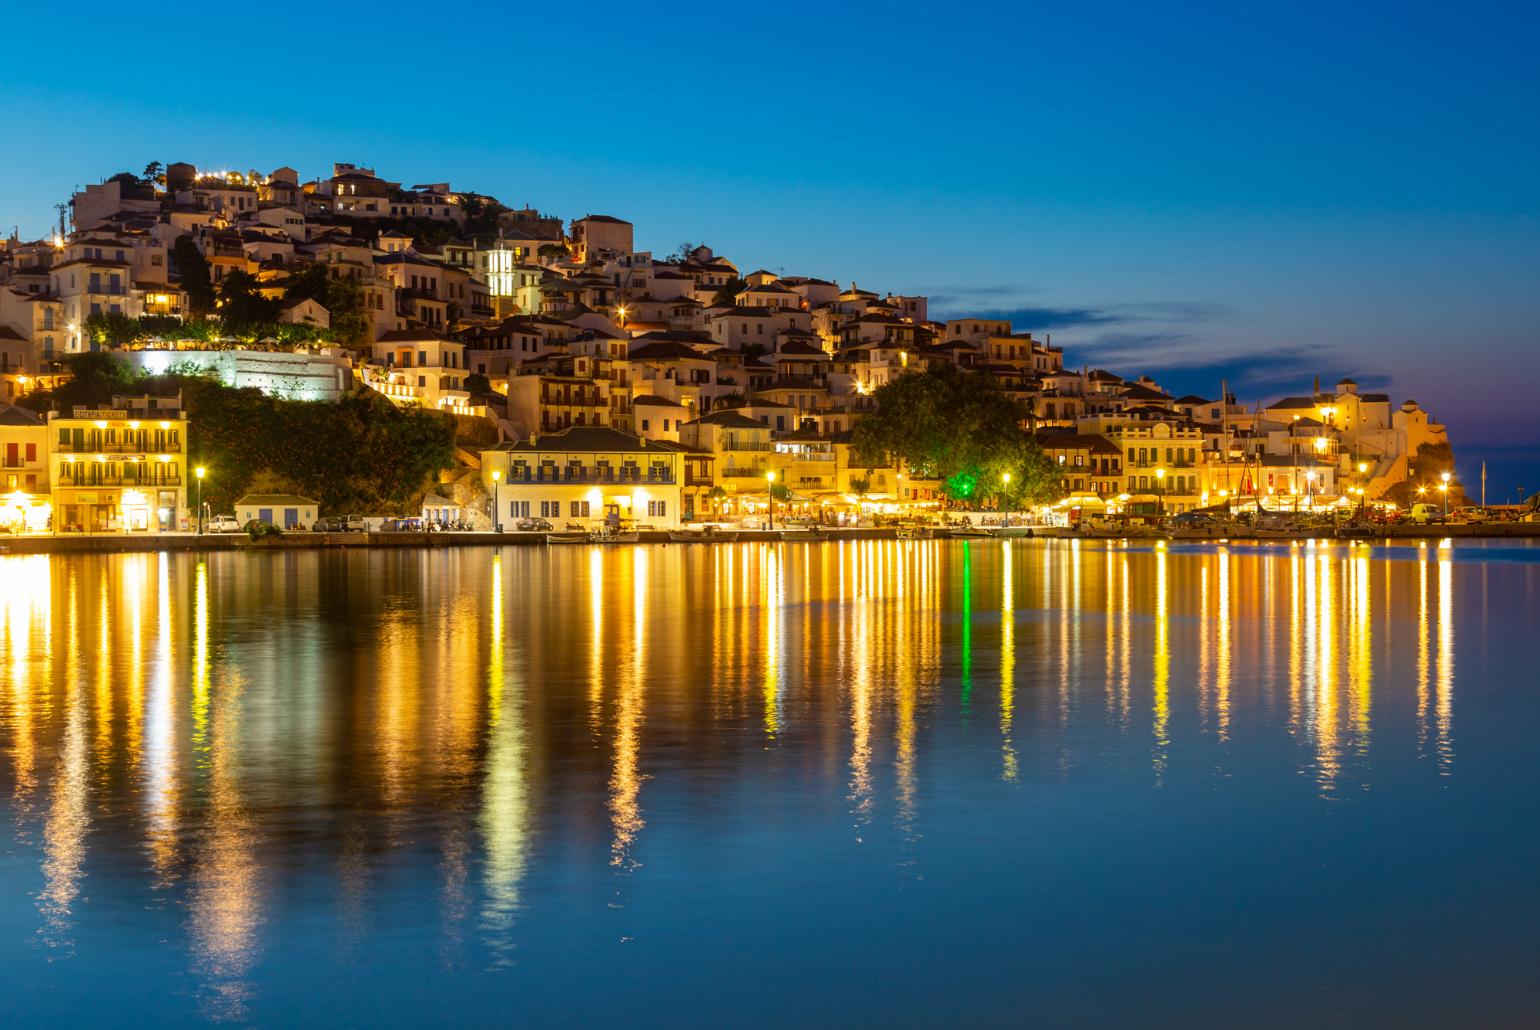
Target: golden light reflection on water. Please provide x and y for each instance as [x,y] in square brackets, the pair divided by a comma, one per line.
[1007,661]
[506,802]
[481,705]
[1161,658]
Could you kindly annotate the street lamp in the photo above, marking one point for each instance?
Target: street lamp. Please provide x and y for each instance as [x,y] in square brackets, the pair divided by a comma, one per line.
[770,499]
[1444,489]
[497,514]
[199,473]
[1005,479]
[1160,488]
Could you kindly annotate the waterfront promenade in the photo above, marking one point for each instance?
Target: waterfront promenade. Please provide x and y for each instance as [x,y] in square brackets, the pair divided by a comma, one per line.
[118,543]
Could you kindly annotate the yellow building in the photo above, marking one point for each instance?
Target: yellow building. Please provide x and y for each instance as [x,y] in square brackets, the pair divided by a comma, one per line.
[24,500]
[118,469]
[583,474]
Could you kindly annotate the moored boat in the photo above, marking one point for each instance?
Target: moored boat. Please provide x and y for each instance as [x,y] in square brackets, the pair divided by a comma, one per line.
[709,534]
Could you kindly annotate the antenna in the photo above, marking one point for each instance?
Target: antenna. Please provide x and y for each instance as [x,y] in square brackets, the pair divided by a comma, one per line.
[61,208]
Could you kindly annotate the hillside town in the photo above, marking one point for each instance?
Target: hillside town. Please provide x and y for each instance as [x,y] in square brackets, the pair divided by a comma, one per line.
[592,382]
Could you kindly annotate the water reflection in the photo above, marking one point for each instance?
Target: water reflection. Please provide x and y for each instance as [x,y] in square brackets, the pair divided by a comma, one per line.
[210,729]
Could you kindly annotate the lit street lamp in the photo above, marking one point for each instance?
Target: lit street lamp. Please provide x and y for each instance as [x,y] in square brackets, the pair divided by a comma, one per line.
[1160,488]
[199,473]
[1444,489]
[770,499]
[497,515]
[1005,479]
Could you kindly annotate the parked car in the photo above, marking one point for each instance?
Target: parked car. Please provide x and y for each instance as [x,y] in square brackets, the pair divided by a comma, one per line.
[1424,514]
[223,524]
[1470,513]
[532,526]
[402,525]
[329,524]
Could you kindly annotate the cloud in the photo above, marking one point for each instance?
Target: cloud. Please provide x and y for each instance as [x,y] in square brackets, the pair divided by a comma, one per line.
[1185,363]
[1181,344]
[995,302]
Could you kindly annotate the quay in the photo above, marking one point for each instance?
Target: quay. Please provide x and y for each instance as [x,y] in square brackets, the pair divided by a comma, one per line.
[117,543]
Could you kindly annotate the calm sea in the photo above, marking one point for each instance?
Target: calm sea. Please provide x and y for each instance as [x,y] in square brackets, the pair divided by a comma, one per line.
[902,782]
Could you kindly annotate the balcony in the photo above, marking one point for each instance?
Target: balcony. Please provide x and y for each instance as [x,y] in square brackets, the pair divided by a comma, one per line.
[91,482]
[592,475]
[140,447]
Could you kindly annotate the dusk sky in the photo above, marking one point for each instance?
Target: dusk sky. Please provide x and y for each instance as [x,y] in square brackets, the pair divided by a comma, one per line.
[1195,192]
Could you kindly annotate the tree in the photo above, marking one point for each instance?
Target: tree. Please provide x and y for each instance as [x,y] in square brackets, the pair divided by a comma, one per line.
[860,487]
[1426,469]
[959,427]
[477,384]
[154,174]
[241,304]
[351,324]
[727,296]
[193,268]
[112,329]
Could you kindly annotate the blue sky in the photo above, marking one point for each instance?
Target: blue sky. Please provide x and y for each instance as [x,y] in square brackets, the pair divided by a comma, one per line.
[1196,190]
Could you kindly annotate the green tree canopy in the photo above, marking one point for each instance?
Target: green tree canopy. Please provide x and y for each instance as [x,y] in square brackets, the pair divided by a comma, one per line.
[193,268]
[727,295]
[357,454]
[241,304]
[961,428]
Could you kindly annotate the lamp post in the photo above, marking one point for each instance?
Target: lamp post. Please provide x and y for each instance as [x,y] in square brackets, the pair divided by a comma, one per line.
[1005,496]
[770,499]
[1444,489]
[1363,482]
[497,513]
[1160,488]
[1309,491]
[198,474]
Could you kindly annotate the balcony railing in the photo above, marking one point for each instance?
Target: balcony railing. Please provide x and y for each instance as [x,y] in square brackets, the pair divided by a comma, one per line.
[590,475]
[121,447]
[87,482]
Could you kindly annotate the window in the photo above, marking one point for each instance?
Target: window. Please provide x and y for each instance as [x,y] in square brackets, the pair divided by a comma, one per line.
[579,509]
[646,425]
[657,509]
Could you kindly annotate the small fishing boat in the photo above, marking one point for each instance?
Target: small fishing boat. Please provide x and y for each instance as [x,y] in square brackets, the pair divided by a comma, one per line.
[569,537]
[802,533]
[915,533]
[706,535]
[605,536]
[968,531]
